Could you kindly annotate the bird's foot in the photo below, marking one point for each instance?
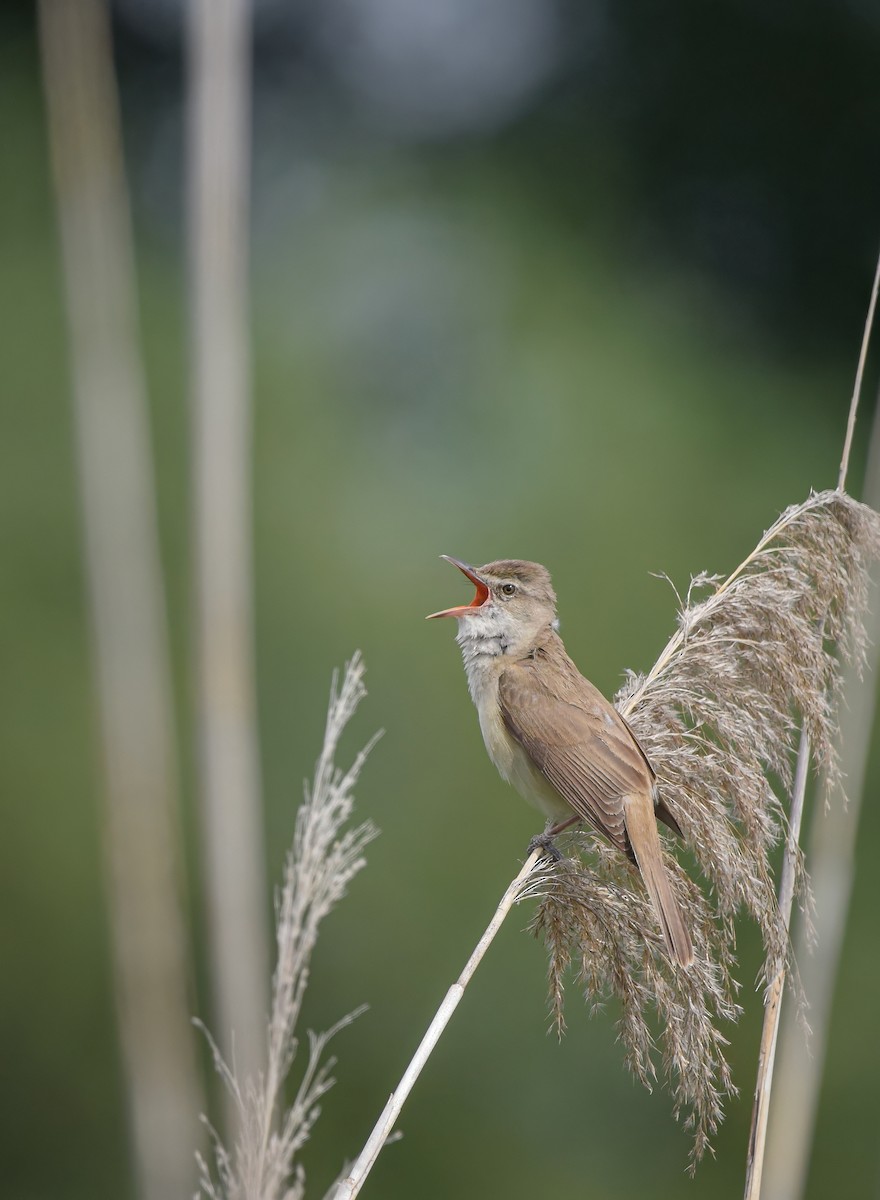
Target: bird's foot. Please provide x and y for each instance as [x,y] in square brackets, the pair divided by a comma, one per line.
[544,842]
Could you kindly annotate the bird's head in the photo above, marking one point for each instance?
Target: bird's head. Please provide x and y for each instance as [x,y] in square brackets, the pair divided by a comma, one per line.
[514,602]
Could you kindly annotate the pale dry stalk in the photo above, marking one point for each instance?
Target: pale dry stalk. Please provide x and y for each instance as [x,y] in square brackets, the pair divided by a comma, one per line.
[228,757]
[354,1180]
[125,595]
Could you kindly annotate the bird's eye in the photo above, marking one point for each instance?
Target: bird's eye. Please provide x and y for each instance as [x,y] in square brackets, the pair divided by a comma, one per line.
[508,589]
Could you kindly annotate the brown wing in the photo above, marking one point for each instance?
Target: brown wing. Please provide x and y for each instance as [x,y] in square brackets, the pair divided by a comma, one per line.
[578,741]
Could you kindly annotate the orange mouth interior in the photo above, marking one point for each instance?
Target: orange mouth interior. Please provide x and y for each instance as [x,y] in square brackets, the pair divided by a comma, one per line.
[480,597]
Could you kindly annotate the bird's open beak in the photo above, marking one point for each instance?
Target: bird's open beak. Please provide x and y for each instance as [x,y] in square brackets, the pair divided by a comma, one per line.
[479,599]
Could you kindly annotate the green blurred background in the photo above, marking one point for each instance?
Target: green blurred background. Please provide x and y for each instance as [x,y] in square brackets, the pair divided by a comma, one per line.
[582,283]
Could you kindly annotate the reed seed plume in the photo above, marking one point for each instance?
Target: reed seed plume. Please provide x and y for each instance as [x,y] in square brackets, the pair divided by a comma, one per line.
[718,717]
[600,927]
[321,863]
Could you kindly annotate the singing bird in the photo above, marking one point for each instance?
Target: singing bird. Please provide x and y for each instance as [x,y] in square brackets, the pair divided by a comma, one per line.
[552,734]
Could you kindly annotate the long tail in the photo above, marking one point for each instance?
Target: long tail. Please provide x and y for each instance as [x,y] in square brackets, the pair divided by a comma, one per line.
[641,827]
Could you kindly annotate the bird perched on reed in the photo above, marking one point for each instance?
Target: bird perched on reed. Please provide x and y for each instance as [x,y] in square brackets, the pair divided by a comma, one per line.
[553,735]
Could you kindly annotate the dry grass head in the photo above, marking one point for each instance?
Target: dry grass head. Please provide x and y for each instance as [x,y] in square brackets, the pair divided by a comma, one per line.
[718,716]
[324,858]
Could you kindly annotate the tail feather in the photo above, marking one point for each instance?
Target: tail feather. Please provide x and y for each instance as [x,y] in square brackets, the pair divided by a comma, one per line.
[641,827]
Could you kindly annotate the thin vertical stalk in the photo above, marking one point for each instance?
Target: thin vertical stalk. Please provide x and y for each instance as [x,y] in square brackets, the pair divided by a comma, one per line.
[776,982]
[219,178]
[125,592]
[831,854]
[776,985]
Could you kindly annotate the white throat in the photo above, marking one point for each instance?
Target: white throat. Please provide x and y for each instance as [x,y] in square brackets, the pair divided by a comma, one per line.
[483,637]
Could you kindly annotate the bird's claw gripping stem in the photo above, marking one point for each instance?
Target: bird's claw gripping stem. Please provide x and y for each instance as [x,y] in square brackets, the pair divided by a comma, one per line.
[544,842]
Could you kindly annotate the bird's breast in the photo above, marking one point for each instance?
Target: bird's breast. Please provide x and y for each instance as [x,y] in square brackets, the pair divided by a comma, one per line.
[511,761]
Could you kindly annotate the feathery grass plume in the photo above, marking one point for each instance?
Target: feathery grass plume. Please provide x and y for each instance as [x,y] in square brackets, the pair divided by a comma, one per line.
[718,716]
[594,921]
[320,864]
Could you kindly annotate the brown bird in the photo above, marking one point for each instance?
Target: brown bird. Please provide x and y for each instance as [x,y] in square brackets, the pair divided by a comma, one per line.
[552,734]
